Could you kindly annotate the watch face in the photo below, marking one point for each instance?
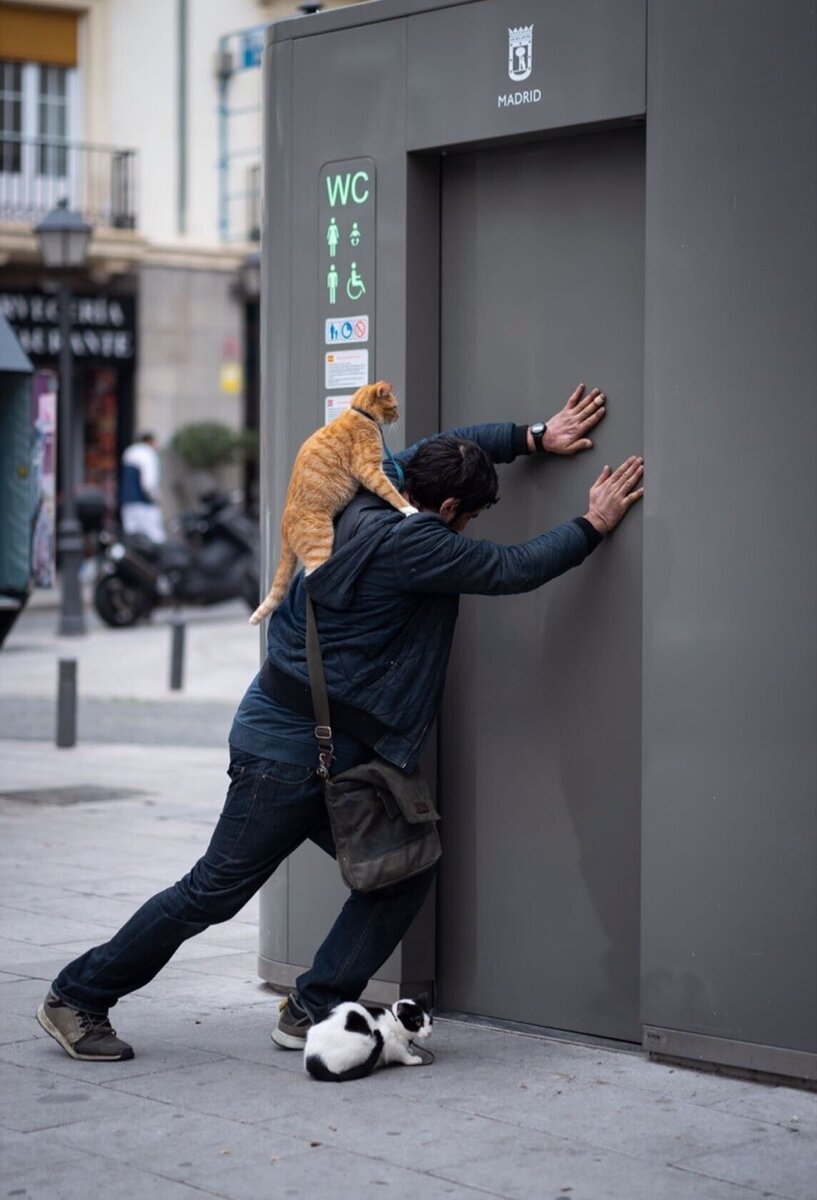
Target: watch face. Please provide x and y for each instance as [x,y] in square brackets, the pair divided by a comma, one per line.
[538,429]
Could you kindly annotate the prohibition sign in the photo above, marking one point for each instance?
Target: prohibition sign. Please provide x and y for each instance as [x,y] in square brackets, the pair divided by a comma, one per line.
[361,330]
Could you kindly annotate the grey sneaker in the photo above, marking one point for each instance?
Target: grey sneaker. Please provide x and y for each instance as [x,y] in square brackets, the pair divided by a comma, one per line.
[84,1035]
[293,1022]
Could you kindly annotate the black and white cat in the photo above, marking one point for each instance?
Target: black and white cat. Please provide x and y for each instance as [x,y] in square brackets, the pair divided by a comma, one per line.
[352,1041]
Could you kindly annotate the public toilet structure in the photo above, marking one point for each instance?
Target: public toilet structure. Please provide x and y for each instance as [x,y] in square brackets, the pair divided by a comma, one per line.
[486,202]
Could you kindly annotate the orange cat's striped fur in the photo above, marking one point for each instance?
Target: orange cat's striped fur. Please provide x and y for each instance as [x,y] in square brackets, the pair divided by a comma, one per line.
[329,466]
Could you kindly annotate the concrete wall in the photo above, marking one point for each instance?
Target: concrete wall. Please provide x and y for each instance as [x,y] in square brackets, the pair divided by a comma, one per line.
[186,318]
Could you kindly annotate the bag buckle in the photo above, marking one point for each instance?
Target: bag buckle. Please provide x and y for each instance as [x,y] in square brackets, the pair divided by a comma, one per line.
[323,733]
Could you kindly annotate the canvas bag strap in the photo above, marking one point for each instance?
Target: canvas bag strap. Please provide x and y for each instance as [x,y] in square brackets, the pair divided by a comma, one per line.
[320,697]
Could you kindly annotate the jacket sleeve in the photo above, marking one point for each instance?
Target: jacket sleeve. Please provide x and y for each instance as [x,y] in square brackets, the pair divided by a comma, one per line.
[502,442]
[430,557]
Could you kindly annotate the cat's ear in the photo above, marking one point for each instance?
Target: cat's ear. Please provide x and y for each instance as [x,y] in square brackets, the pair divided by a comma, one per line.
[382,389]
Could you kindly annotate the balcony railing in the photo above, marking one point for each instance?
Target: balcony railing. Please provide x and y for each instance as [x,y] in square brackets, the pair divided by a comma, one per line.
[100,182]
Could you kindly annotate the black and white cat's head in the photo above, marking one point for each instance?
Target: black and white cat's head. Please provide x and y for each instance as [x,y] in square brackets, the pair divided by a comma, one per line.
[415,1019]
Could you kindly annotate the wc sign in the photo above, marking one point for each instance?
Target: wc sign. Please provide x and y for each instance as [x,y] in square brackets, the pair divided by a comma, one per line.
[347,277]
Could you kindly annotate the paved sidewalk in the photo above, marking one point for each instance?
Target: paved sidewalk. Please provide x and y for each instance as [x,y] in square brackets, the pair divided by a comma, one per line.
[209,1107]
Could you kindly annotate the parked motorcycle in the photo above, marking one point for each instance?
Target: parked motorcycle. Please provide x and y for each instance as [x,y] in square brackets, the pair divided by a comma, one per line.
[215,559]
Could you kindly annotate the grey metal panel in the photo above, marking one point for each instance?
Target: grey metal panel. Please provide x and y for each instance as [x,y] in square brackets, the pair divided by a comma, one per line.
[350,18]
[588,65]
[327,99]
[730,710]
[748,1056]
[276,413]
[542,286]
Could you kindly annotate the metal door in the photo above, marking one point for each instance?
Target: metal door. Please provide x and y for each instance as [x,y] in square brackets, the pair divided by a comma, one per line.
[541,287]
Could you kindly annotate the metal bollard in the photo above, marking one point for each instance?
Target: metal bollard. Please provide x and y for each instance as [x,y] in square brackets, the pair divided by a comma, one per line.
[67,703]
[176,654]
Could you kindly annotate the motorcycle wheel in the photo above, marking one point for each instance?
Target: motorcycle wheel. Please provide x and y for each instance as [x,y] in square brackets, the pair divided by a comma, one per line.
[121,604]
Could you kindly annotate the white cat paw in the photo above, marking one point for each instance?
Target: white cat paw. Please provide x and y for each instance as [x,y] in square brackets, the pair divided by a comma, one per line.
[409,510]
[414,1061]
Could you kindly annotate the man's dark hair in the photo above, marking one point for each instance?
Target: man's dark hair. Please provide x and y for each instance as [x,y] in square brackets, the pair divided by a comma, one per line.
[147,436]
[446,467]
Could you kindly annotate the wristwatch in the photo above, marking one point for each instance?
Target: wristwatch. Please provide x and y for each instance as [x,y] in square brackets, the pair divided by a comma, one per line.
[537,433]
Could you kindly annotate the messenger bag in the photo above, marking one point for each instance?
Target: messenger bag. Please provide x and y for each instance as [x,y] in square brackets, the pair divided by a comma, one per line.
[383,820]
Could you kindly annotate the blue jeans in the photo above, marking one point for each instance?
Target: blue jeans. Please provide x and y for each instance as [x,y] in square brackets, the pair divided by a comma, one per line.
[271,808]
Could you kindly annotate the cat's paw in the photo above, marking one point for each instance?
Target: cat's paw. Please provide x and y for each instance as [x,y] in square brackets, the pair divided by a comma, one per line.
[409,510]
[414,1060]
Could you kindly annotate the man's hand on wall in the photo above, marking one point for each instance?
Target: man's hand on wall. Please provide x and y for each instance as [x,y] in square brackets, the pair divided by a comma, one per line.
[567,431]
[614,493]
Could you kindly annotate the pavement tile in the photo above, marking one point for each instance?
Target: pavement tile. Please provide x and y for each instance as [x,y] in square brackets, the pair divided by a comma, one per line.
[234,1089]
[786,1106]
[13,949]
[41,1099]
[17,1029]
[96,1177]
[415,1134]
[20,893]
[23,997]
[652,1128]
[783,1164]
[230,964]
[151,1059]
[76,907]
[188,989]
[232,1158]
[32,1151]
[43,929]
[325,1171]
[543,1059]
[134,888]
[239,1033]
[569,1170]
[233,935]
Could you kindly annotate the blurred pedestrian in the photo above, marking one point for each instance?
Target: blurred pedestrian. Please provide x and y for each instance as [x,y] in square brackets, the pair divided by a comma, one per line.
[139,489]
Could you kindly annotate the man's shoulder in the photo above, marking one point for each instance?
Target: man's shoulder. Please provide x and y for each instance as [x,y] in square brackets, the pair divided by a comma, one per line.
[423,533]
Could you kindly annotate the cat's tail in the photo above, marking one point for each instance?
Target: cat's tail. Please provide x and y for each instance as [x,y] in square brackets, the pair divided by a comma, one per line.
[281,581]
[318,1069]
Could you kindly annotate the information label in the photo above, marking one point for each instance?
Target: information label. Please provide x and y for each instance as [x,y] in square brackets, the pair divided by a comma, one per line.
[346,369]
[335,406]
[344,330]
[346,273]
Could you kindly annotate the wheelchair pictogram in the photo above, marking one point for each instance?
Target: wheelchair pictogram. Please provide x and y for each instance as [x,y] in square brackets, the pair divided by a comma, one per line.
[355,287]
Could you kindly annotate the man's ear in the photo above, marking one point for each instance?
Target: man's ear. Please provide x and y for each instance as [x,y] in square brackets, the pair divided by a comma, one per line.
[449,509]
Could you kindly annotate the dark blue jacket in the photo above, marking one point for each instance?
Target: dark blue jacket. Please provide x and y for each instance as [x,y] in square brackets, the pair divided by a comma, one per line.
[130,486]
[386,602]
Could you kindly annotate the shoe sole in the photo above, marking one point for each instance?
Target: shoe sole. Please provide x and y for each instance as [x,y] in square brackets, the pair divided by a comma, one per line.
[51,1029]
[287,1041]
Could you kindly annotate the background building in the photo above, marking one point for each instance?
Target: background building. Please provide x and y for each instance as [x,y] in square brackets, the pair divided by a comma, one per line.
[147,117]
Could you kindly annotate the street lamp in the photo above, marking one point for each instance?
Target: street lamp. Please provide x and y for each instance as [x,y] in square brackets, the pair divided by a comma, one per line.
[250,272]
[63,239]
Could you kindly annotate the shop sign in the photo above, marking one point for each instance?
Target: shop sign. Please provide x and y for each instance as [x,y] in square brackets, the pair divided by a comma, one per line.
[102,327]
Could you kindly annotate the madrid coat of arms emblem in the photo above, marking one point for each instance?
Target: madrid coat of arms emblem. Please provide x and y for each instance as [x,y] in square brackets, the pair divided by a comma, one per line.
[520,52]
